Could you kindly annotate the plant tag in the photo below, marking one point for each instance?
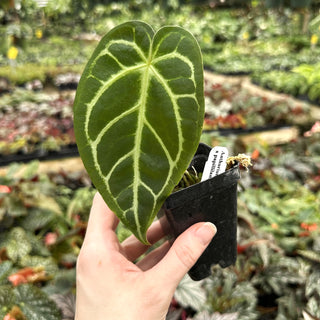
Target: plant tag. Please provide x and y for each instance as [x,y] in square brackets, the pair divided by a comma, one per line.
[216,163]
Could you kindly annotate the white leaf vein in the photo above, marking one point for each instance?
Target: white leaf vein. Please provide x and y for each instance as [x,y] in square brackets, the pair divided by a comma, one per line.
[148,68]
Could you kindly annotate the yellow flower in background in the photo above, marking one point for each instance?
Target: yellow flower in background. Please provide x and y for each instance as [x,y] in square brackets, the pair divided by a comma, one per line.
[245,35]
[207,39]
[314,39]
[38,33]
[12,53]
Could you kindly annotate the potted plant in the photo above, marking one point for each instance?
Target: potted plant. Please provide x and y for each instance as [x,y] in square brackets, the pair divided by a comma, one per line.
[138,117]
[214,200]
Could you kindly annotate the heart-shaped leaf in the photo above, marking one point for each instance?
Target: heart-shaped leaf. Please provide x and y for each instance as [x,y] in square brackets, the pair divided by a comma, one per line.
[138,117]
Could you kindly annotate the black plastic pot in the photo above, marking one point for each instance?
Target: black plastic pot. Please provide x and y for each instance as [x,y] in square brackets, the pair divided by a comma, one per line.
[213,200]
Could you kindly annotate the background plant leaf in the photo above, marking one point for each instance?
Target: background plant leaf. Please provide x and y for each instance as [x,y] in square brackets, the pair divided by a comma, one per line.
[190,293]
[6,300]
[48,264]
[138,116]
[5,269]
[66,303]
[35,304]
[17,244]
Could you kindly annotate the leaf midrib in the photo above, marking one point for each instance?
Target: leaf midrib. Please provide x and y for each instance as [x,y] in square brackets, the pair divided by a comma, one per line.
[138,140]
[147,70]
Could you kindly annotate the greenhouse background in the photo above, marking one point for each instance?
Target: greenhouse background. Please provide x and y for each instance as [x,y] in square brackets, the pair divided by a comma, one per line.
[262,98]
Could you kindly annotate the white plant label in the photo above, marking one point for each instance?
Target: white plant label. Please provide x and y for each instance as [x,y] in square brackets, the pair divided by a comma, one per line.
[216,163]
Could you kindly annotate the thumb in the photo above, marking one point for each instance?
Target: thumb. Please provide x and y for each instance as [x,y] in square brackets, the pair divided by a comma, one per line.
[184,253]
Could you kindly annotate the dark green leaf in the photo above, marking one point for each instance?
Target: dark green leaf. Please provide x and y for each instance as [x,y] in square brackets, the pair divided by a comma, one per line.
[138,116]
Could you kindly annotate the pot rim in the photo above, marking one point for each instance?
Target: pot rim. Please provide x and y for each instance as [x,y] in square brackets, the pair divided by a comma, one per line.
[204,188]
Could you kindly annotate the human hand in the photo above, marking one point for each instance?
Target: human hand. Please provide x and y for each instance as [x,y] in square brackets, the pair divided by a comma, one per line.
[110,286]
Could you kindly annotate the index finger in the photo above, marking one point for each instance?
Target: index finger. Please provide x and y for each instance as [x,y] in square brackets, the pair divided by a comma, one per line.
[102,221]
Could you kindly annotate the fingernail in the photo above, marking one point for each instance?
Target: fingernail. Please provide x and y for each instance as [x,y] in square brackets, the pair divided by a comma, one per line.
[206,232]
